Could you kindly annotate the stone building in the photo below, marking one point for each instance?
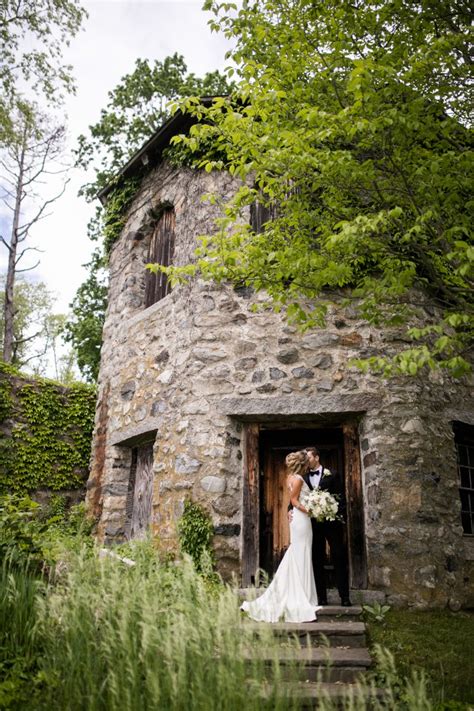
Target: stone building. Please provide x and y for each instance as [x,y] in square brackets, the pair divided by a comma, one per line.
[202,397]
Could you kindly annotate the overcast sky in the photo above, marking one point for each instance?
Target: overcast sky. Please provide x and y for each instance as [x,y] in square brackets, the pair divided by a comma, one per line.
[116,33]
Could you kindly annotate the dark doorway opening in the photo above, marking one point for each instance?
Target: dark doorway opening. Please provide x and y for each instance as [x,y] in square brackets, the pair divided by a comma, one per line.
[265,514]
[274,446]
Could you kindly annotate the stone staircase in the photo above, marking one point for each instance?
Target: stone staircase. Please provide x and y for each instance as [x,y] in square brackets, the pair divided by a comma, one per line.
[332,657]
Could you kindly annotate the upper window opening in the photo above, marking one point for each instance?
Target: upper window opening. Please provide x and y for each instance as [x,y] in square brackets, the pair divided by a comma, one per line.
[259,215]
[160,251]
[464,439]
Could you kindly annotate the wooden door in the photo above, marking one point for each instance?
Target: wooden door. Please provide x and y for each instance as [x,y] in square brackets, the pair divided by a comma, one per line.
[275,536]
[140,493]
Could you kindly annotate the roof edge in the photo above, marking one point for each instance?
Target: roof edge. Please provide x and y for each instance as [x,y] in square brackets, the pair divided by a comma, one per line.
[153,147]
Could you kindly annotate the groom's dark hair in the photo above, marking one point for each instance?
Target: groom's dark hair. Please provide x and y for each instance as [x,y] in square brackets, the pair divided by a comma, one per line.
[314,450]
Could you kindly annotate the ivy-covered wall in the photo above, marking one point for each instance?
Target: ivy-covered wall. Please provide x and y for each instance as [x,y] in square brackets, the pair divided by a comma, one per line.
[45,433]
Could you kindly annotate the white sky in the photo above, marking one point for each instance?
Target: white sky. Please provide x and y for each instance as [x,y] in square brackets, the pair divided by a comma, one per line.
[116,33]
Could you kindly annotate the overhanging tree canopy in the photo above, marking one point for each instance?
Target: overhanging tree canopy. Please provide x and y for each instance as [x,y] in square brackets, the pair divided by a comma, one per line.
[352,119]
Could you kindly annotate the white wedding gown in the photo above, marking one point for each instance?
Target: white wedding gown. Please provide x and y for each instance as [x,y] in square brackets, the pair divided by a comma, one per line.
[291,595]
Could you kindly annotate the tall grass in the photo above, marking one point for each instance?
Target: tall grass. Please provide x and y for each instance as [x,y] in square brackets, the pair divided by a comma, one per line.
[102,636]
[20,591]
[153,636]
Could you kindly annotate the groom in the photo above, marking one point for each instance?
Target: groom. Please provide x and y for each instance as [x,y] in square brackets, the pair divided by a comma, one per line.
[330,531]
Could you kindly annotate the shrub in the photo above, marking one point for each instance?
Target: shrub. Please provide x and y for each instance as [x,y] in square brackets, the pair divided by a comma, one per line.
[21,530]
[195,534]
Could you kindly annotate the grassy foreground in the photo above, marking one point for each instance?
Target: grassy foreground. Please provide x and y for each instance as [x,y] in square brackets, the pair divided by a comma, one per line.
[109,637]
[439,642]
[98,635]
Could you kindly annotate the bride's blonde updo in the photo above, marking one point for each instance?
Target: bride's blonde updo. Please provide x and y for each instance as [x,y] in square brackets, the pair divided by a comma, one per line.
[297,463]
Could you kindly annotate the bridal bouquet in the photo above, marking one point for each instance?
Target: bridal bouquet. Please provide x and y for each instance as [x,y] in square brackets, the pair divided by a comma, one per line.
[321,505]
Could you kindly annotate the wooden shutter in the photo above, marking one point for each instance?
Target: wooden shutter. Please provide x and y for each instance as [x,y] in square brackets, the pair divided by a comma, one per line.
[160,251]
[140,492]
[259,214]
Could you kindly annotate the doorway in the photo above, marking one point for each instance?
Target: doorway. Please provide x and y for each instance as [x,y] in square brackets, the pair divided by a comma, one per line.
[266,498]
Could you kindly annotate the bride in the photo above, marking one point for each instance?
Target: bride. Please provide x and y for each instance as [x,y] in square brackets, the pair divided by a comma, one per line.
[292,592]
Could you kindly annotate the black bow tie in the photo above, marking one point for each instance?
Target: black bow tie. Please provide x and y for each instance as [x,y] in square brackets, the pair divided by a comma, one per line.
[315,472]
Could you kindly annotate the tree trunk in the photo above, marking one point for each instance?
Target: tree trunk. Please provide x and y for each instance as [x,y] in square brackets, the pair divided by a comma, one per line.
[9,308]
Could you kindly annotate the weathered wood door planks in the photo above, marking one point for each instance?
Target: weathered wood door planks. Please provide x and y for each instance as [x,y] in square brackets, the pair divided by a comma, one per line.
[141,490]
[251,506]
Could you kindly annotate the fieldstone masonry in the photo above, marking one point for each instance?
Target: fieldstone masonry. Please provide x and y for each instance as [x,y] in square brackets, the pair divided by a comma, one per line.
[191,369]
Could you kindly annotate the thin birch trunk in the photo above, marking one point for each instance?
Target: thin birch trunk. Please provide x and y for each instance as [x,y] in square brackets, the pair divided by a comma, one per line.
[9,307]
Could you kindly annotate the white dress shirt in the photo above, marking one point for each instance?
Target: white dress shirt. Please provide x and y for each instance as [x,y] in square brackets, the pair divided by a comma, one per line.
[315,477]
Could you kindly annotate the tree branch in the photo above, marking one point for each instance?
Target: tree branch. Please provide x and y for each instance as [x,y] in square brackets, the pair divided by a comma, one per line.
[28,269]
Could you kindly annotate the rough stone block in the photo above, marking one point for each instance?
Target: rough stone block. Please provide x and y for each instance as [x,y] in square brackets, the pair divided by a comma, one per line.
[277,374]
[227,529]
[219,372]
[414,425]
[370,459]
[325,385]
[208,355]
[351,339]
[115,488]
[247,363]
[317,340]
[114,529]
[214,484]
[183,485]
[162,357]
[302,372]
[288,355]
[166,377]
[212,387]
[226,505]
[380,577]
[127,391]
[265,388]
[186,465]
[158,407]
[242,348]
[196,407]
[321,361]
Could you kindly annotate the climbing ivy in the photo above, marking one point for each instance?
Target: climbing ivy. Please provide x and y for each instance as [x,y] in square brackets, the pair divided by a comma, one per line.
[47,438]
[195,534]
[115,210]
[6,401]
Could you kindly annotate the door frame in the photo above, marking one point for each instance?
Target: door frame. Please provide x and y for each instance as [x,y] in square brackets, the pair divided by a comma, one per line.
[354,497]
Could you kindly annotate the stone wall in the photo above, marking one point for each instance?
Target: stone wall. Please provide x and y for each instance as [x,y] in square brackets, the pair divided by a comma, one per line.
[196,365]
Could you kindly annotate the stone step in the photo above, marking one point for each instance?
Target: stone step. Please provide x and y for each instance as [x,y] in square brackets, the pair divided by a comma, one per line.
[321,633]
[358,597]
[335,613]
[312,695]
[331,664]
[339,612]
